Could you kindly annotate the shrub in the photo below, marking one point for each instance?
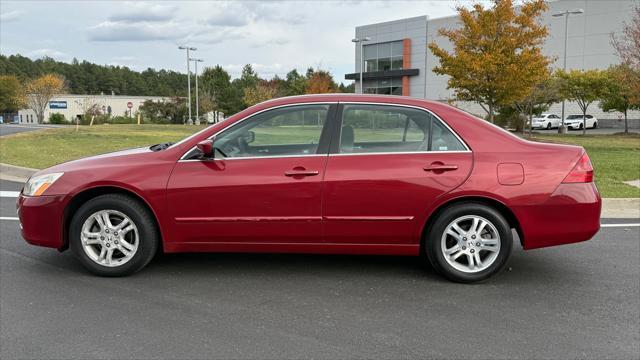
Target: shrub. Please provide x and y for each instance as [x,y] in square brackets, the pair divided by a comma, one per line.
[57,118]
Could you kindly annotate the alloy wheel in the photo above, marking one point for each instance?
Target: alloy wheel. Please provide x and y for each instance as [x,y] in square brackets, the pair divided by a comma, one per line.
[470,244]
[109,238]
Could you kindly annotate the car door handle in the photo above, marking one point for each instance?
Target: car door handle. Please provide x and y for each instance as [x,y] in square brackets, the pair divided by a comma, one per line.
[436,167]
[296,172]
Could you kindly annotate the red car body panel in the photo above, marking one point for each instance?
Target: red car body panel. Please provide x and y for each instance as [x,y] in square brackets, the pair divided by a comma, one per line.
[356,204]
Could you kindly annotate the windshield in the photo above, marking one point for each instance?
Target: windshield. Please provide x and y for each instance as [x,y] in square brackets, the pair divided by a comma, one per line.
[574,117]
[196,134]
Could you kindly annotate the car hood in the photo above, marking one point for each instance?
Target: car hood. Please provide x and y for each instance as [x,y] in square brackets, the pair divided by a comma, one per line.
[102,160]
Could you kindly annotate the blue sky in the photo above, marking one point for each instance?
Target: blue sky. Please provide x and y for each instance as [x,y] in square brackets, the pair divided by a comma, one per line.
[273,36]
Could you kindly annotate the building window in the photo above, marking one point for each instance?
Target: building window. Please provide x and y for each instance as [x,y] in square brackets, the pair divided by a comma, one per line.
[383,56]
[389,86]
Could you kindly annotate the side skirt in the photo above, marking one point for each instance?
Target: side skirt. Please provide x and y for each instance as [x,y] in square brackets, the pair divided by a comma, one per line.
[301,248]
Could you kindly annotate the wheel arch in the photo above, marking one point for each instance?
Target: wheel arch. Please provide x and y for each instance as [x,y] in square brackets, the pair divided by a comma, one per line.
[509,215]
[87,194]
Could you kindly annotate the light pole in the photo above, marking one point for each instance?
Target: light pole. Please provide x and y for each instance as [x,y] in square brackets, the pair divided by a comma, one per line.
[562,129]
[196,61]
[361,42]
[188,75]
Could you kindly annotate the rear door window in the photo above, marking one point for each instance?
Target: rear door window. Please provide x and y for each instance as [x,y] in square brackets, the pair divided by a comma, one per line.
[393,129]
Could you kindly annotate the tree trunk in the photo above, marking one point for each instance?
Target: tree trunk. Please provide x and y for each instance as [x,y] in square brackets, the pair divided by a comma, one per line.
[626,123]
[491,113]
[584,121]
[530,121]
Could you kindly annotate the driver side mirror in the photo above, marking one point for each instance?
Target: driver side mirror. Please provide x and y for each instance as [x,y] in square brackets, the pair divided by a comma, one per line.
[206,148]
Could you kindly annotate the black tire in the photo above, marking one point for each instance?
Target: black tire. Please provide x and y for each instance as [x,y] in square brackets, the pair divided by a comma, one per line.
[580,127]
[549,126]
[595,125]
[139,215]
[433,241]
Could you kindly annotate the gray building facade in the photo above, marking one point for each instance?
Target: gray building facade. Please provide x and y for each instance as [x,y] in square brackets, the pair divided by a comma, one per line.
[588,47]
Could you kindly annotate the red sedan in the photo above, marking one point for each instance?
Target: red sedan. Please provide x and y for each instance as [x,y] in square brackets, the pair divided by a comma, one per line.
[333,174]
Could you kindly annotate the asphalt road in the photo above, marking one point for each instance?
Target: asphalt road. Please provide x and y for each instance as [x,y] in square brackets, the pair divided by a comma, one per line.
[8,129]
[574,301]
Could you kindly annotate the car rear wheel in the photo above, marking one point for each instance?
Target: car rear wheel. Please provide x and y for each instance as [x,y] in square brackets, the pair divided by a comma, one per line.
[595,125]
[469,242]
[113,235]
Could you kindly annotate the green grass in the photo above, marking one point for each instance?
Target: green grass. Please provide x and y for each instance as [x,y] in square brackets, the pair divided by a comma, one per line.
[615,158]
[44,148]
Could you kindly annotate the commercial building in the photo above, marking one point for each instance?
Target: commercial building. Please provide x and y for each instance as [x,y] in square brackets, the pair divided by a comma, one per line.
[73,106]
[397,60]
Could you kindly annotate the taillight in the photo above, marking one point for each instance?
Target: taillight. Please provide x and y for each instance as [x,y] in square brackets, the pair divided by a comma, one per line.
[582,172]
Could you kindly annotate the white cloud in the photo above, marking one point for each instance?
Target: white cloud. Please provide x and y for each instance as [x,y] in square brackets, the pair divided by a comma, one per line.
[52,53]
[11,16]
[143,31]
[143,11]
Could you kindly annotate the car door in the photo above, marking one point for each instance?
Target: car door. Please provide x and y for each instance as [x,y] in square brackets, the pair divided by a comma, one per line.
[264,186]
[389,164]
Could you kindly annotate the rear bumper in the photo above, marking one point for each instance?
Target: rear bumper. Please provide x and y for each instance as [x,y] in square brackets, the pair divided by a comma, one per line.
[570,215]
[41,220]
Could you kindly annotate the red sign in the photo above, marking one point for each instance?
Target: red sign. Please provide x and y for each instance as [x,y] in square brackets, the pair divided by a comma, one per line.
[129,104]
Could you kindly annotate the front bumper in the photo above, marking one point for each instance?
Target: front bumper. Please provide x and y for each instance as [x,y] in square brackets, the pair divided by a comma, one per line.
[41,220]
[570,215]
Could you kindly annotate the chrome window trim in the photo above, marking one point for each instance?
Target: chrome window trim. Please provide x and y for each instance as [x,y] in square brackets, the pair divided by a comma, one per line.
[254,114]
[468,150]
[404,153]
[413,107]
[256,157]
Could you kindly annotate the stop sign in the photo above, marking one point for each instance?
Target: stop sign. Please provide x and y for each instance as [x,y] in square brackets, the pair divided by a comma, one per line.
[129,104]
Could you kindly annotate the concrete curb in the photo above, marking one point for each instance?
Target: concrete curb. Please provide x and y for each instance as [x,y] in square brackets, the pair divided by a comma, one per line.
[625,208]
[15,173]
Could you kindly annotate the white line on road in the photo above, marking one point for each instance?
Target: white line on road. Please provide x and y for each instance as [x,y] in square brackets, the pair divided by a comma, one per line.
[9,194]
[620,225]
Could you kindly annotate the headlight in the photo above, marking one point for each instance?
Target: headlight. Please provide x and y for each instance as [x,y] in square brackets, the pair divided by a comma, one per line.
[39,184]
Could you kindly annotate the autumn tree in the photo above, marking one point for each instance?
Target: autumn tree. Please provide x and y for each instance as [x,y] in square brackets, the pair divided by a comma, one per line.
[12,97]
[263,90]
[40,90]
[320,82]
[539,98]
[627,45]
[584,87]
[497,53]
[622,91]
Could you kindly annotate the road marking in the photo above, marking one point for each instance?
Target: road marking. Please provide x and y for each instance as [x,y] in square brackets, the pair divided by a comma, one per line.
[620,225]
[9,218]
[9,194]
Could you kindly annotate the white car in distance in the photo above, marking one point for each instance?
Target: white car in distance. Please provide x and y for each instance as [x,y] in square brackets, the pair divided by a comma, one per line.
[546,121]
[576,122]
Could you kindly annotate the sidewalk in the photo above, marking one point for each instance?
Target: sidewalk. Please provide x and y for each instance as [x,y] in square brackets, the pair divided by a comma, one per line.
[625,208]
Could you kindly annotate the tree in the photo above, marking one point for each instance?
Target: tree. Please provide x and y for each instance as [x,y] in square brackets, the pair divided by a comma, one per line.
[622,92]
[628,44]
[583,87]
[12,97]
[41,90]
[216,89]
[539,98]
[497,53]
[263,91]
[295,84]
[320,82]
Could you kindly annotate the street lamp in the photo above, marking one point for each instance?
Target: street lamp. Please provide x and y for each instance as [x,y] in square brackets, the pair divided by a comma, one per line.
[196,61]
[565,13]
[188,75]
[361,42]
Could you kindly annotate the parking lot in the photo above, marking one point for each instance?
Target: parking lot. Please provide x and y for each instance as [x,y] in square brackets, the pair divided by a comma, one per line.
[574,301]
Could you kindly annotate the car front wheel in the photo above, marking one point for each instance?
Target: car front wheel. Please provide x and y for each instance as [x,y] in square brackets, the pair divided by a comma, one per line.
[549,126]
[113,235]
[469,242]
